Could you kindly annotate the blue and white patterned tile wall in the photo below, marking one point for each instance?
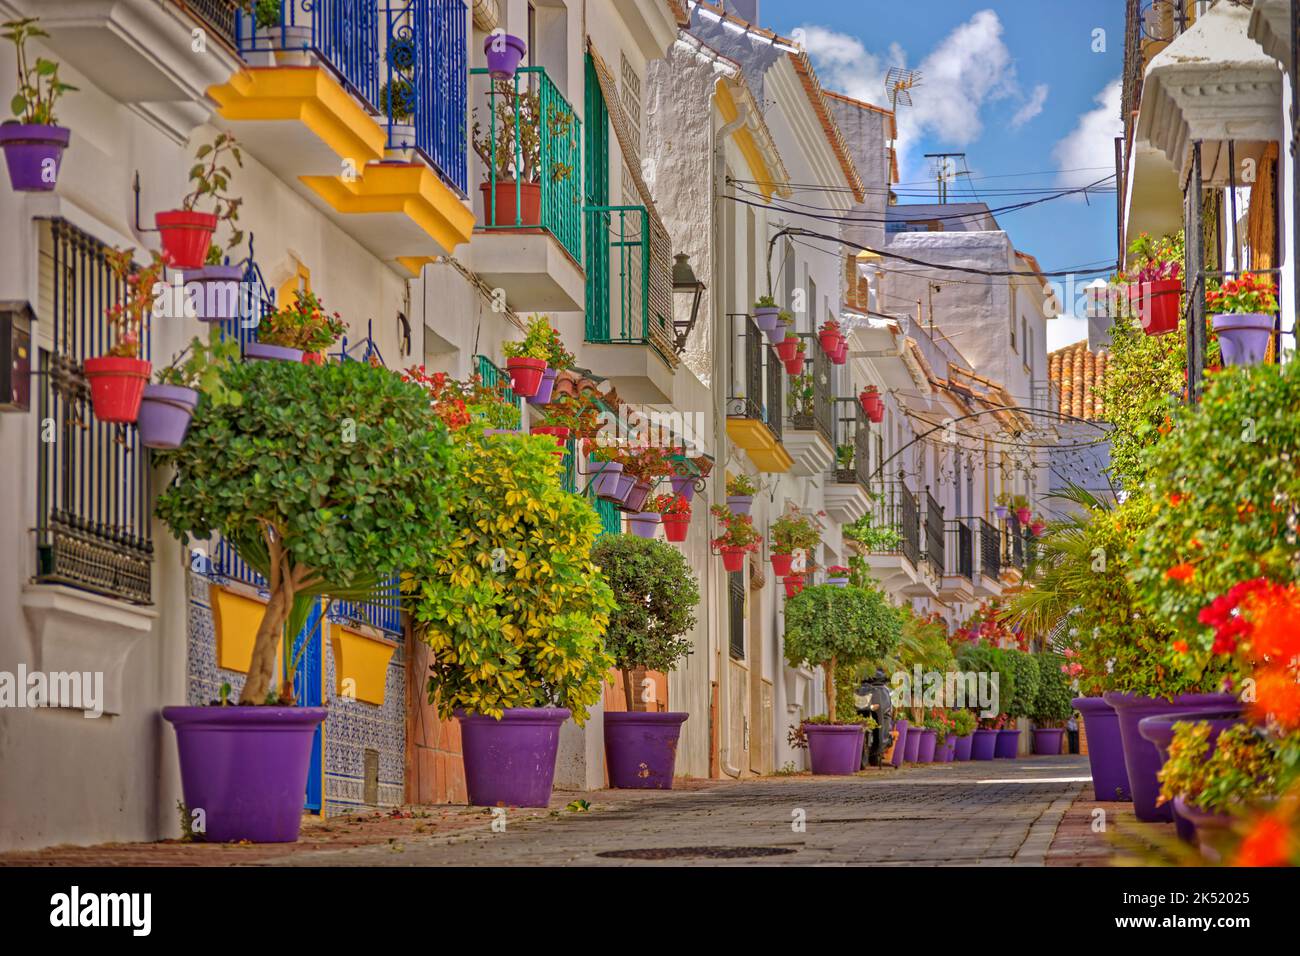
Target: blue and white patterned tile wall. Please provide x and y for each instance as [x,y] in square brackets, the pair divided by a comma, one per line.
[351,727]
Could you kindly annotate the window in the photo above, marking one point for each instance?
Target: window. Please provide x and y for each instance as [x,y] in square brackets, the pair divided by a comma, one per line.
[630,94]
[93,503]
[736,604]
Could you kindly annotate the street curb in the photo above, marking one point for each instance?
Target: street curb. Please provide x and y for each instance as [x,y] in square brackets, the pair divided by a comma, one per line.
[1033,851]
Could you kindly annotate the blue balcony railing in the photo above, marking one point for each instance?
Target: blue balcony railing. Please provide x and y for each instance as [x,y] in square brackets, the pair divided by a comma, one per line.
[342,34]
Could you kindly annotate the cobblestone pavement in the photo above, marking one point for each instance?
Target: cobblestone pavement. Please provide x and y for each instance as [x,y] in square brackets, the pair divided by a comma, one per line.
[986,813]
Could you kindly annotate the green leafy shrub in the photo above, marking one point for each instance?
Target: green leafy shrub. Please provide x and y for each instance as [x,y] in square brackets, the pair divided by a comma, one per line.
[1025,667]
[1243,767]
[1052,702]
[656,594]
[325,479]
[997,664]
[827,625]
[513,607]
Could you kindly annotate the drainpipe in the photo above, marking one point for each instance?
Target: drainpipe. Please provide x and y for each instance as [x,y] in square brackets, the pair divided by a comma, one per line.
[721,347]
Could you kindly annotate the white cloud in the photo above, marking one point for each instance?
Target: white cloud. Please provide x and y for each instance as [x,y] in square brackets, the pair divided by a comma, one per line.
[1032,107]
[970,67]
[1065,330]
[1087,153]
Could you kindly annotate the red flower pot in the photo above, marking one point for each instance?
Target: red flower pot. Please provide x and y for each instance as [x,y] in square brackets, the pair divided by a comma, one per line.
[794,366]
[781,564]
[793,584]
[871,404]
[528,211]
[830,341]
[1037,528]
[841,354]
[787,349]
[186,236]
[1023,515]
[525,375]
[117,386]
[559,433]
[1157,304]
[733,559]
[313,358]
[676,526]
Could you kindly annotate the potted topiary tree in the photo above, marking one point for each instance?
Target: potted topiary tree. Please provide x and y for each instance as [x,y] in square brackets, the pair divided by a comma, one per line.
[33,144]
[328,482]
[827,626]
[656,594]
[1052,705]
[515,613]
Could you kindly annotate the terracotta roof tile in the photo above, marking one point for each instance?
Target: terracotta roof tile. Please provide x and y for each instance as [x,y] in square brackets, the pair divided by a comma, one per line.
[1080,375]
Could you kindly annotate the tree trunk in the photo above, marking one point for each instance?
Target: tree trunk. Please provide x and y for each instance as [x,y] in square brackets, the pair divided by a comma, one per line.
[261,670]
[628,693]
[830,691]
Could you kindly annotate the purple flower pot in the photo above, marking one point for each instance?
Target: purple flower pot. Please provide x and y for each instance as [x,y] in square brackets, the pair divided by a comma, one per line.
[33,153]
[984,744]
[838,582]
[246,768]
[913,744]
[1141,758]
[946,752]
[776,334]
[1000,512]
[962,747]
[644,523]
[261,352]
[1160,731]
[767,317]
[835,748]
[740,504]
[636,495]
[214,292]
[545,389]
[1047,741]
[165,413]
[641,749]
[503,54]
[1206,827]
[1105,749]
[605,480]
[1243,337]
[925,746]
[511,762]
[900,745]
[1008,745]
[683,485]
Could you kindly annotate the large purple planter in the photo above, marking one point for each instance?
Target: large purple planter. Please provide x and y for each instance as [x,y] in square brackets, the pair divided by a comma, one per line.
[835,749]
[984,744]
[946,752]
[511,762]
[914,735]
[1160,731]
[1047,741]
[245,768]
[1105,749]
[961,747]
[1141,758]
[545,389]
[165,413]
[925,747]
[1243,337]
[33,153]
[644,524]
[1206,828]
[214,292]
[503,54]
[1008,745]
[641,749]
[900,745]
[740,504]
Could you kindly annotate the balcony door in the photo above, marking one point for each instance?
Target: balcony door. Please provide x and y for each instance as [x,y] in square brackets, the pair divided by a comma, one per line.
[596,194]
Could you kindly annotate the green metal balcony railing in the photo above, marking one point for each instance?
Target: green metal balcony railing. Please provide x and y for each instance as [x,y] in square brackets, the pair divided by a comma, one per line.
[629,281]
[529,140]
[493,377]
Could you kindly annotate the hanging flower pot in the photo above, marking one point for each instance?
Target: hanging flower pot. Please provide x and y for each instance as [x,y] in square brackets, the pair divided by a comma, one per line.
[1023,515]
[1157,304]
[733,559]
[837,576]
[637,495]
[605,480]
[1036,528]
[787,348]
[740,504]
[841,354]
[33,153]
[683,485]
[165,413]
[1243,336]
[794,366]
[676,526]
[186,235]
[869,399]
[525,375]
[557,432]
[830,340]
[262,352]
[767,317]
[1000,512]
[793,584]
[214,292]
[545,390]
[644,523]
[504,52]
[117,387]
[781,563]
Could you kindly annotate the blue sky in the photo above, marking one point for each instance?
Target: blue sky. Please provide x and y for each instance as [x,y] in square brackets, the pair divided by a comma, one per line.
[1021,86]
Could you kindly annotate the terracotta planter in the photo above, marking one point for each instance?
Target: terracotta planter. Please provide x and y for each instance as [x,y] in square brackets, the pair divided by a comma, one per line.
[527,212]
[186,236]
[117,387]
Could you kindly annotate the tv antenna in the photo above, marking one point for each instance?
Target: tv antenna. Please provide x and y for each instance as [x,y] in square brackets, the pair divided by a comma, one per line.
[899,84]
[945,170]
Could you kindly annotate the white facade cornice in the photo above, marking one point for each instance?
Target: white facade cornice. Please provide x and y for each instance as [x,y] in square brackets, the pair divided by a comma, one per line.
[787,89]
[1270,27]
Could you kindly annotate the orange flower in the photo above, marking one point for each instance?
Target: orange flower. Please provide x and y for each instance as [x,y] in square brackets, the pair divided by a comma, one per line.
[1176,499]
[1180,572]
[1275,614]
[1277,695]
[1180,647]
[1265,845]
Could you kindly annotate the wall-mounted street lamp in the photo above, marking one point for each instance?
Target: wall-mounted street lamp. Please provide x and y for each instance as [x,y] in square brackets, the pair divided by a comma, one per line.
[685,283]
